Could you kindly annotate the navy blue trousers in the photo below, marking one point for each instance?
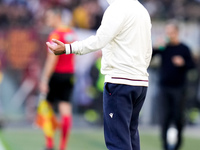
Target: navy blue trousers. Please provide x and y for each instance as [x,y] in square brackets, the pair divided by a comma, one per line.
[121,107]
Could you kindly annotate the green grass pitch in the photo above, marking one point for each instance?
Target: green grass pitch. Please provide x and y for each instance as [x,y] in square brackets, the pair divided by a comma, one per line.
[82,139]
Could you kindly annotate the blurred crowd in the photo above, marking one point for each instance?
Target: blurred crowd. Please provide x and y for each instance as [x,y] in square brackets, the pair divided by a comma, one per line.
[88,13]
[25,13]
[176,9]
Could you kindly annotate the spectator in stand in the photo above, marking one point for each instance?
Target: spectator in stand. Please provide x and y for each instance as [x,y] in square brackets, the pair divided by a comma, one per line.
[19,15]
[81,16]
[95,13]
[4,22]
[88,15]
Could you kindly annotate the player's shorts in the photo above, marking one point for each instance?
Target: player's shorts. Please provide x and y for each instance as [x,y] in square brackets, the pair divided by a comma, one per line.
[60,88]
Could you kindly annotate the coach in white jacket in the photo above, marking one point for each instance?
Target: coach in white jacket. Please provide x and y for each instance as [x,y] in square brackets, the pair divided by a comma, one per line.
[125,39]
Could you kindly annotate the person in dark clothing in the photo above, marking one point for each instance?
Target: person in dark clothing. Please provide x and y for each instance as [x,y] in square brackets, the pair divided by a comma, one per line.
[176,60]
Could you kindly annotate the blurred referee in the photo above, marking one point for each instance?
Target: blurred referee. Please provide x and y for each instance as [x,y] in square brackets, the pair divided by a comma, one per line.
[57,77]
[125,36]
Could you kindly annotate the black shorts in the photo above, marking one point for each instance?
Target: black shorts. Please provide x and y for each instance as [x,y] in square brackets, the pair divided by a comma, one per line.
[60,88]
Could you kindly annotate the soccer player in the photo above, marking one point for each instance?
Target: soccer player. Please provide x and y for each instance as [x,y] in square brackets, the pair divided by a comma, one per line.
[125,36]
[57,77]
[176,60]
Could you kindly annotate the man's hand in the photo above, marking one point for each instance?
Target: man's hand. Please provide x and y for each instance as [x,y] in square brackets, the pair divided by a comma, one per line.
[178,61]
[58,48]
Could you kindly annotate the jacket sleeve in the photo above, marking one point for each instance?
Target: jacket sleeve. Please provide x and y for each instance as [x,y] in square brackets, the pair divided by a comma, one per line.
[110,26]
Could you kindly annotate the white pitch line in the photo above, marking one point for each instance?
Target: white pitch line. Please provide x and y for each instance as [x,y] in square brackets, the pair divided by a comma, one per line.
[1,146]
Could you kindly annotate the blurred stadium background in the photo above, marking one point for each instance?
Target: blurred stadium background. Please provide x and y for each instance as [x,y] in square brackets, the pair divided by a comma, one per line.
[22,52]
